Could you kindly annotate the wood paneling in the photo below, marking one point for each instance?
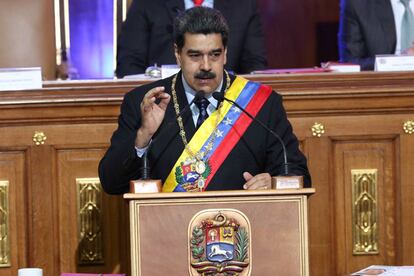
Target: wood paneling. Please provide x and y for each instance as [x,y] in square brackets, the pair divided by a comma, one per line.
[363,115]
[369,153]
[12,169]
[321,230]
[73,164]
[28,35]
[49,237]
[290,32]
[297,30]
[405,202]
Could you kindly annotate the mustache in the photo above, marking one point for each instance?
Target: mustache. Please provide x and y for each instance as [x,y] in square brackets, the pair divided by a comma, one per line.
[205,75]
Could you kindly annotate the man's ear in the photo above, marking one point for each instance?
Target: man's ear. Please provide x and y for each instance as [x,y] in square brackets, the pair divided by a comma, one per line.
[225,55]
[177,54]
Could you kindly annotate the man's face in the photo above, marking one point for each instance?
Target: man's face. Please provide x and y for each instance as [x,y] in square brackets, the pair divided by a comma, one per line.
[202,60]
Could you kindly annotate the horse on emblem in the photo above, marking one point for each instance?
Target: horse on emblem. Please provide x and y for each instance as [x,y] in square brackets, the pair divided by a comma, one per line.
[216,251]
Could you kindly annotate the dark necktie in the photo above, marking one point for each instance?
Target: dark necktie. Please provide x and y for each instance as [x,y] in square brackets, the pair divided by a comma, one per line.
[202,104]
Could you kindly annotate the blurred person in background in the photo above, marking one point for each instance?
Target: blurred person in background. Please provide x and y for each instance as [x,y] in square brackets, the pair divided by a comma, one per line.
[147,35]
[375,27]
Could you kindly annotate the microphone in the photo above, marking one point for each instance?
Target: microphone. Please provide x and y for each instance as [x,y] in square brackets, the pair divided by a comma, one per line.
[279,182]
[146,169]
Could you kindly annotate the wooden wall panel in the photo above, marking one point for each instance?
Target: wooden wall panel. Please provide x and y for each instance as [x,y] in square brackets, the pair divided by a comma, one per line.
[43,227]
[59,135]
[405,200]
[299,33]
[73,164]
[28,35]
[364,154]
[321,207]
[12,169]
[289,32]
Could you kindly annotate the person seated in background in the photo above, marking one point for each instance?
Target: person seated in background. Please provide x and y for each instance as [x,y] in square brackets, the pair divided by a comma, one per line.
[375,27]
[147,36]
[199,142]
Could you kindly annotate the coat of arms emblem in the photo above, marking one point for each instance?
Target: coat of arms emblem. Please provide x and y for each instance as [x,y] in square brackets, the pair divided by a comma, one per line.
[219,243]
[191,175]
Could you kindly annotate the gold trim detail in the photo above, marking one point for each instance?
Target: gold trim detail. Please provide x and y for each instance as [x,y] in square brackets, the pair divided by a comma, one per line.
[4,225]
[364,212]
[318,129]
[408,127]
[90,221]
[39,138]
[124,9]
[58,32]
[66,24]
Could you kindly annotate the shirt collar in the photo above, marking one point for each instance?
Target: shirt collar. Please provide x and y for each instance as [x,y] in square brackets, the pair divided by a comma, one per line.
[190,93]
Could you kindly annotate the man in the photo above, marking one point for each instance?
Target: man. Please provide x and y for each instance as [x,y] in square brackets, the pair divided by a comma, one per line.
[374,27]
[227,151]
[147,35]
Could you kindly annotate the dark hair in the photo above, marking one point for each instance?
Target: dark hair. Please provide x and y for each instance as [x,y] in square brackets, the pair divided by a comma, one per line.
[200,20]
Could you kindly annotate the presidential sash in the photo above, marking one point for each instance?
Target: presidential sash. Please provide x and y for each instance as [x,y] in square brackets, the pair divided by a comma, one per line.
[213,144]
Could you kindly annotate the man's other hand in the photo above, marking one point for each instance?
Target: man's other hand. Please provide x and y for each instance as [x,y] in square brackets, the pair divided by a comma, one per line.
[261,181]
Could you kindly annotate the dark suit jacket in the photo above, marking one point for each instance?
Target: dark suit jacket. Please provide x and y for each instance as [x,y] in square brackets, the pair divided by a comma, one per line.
[256,152]
[367,28]
[147,35]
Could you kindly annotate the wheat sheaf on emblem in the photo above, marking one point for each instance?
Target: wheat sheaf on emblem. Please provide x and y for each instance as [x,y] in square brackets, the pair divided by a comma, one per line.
[219,246]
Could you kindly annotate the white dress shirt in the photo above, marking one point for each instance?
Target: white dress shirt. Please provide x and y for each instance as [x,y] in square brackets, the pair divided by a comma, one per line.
[398,10]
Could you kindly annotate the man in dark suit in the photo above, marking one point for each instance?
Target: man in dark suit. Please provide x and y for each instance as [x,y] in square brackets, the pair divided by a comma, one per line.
[196,152]
[368,28]
[147,35]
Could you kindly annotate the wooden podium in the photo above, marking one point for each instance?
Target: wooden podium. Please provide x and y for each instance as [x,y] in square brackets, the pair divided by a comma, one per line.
[165,228]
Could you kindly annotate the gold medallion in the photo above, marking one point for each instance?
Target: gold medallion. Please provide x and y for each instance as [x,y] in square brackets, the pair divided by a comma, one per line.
[200,167]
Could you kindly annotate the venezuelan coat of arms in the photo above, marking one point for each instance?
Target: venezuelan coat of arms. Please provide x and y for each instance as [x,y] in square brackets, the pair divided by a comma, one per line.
[219,243]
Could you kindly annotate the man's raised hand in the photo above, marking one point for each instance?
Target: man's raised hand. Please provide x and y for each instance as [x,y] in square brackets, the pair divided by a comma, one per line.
[152,114]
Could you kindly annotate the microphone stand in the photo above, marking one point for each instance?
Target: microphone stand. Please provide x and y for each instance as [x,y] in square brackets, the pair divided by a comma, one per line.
[145,184]
[284,181]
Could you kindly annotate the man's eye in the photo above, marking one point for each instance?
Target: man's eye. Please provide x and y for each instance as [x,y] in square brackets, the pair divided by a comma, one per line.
[194,55]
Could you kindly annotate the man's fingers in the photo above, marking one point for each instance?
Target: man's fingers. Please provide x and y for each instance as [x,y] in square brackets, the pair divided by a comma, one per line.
[154,92]
[152,95]
[165,99]
[247,176]
[259,181]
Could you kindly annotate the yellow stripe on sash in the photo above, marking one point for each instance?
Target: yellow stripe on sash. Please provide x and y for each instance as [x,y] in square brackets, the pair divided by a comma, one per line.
[205,131]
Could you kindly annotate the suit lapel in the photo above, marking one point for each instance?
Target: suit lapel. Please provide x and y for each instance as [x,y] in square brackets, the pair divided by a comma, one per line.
[385,14]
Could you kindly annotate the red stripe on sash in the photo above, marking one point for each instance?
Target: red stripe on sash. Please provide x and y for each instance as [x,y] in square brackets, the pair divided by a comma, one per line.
[237,130]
